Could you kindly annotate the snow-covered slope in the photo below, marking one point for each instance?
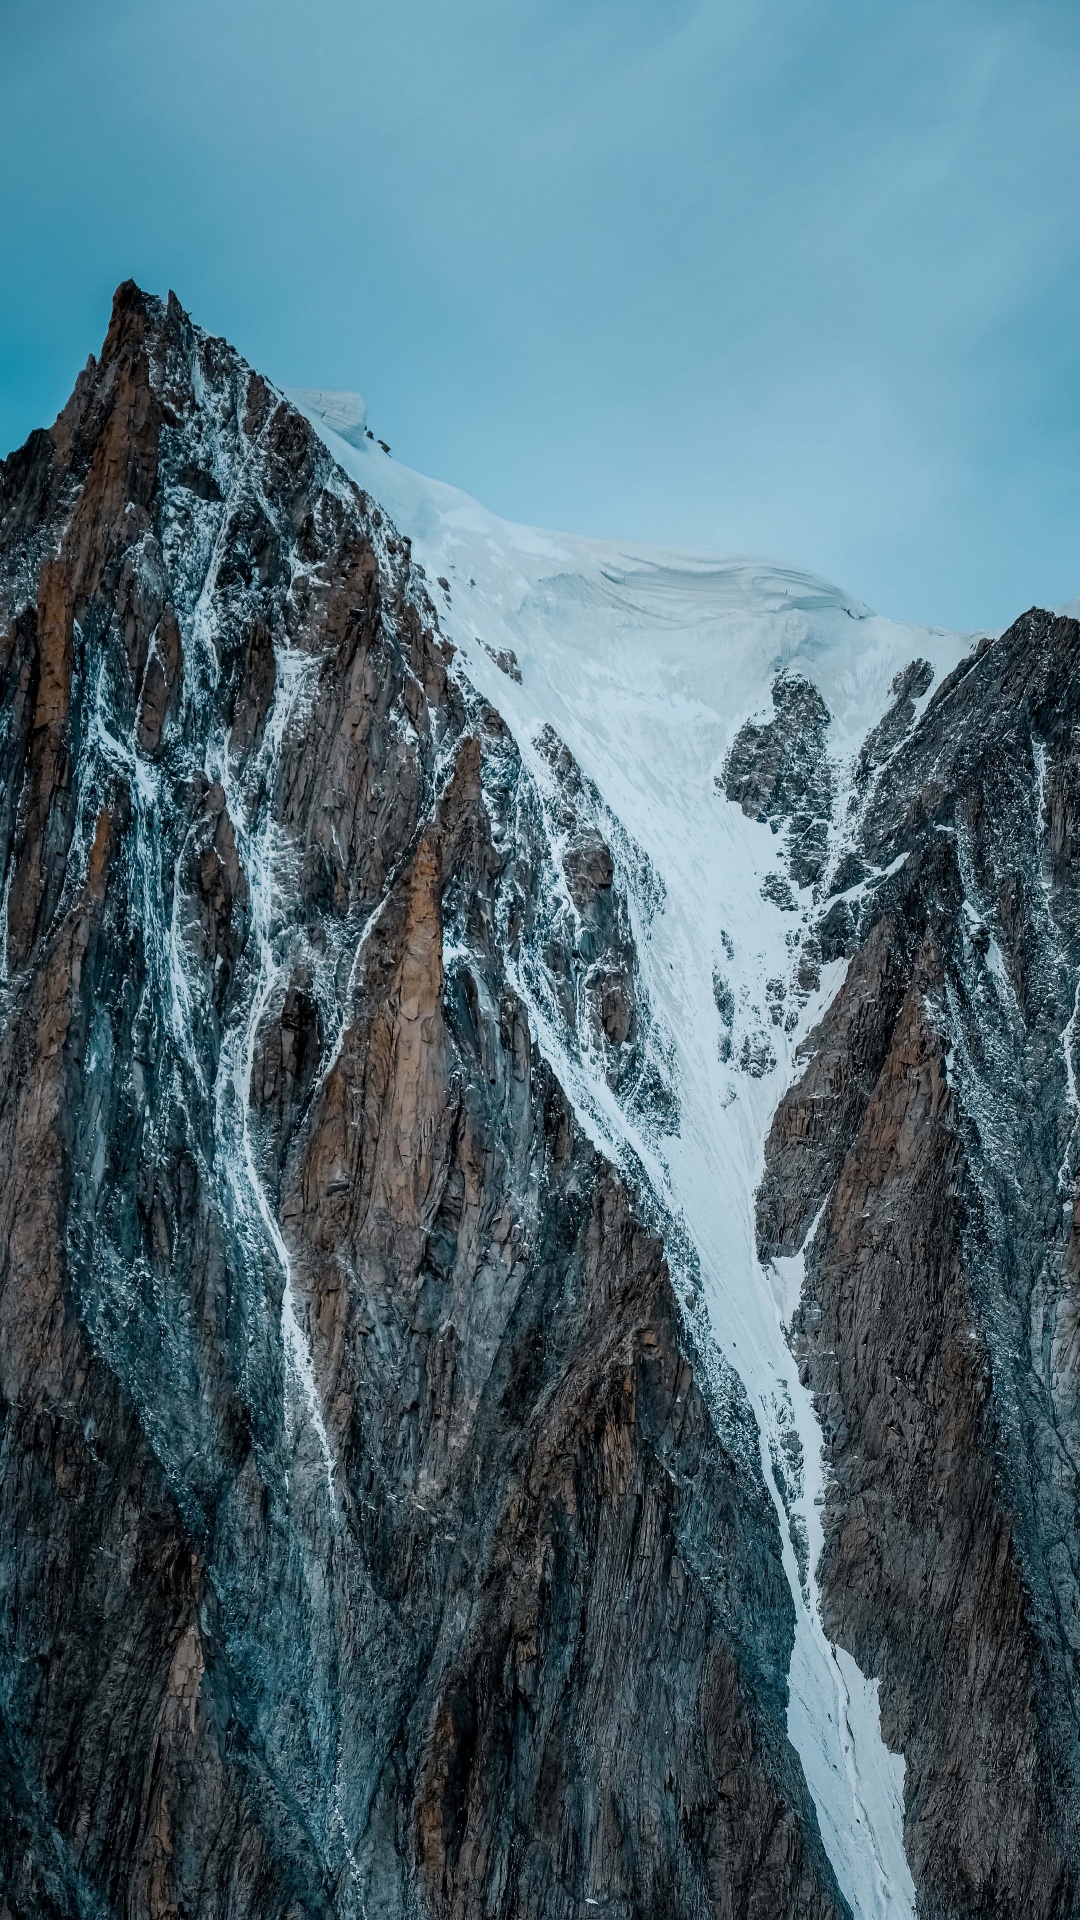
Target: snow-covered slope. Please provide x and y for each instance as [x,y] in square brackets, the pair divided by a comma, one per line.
[646,663]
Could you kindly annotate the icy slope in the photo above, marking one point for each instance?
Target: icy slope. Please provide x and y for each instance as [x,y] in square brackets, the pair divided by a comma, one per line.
[646,663]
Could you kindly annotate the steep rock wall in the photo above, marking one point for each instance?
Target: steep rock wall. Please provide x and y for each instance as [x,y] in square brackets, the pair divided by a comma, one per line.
[934,1127]
[369,1542]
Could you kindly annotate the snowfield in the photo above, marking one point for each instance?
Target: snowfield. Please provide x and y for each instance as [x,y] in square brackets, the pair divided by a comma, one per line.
[646,663]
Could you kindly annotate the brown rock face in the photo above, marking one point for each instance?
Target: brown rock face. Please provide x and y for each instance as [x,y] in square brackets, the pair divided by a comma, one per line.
[371,1540]
[936,1121]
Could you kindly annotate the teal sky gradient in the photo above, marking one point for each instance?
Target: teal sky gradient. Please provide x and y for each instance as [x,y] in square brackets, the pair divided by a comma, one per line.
[799,277]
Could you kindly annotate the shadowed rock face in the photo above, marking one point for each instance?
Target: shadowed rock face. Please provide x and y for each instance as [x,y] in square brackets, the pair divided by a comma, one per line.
[372,1538]
[935,1124]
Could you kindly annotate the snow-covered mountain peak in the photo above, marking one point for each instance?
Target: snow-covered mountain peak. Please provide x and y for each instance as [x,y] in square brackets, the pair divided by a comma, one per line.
[719,627]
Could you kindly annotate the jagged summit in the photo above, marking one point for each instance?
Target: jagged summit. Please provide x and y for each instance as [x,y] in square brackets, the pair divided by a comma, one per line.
[537,1307]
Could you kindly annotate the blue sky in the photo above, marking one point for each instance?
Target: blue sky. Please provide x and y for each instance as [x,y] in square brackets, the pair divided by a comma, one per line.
[799,277]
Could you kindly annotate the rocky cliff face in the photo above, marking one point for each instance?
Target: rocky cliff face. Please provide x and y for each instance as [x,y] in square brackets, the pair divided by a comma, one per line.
[372,1540]
[388,1524]
[933,1135]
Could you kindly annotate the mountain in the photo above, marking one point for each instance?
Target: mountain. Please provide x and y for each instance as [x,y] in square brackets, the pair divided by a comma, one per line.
[538,1341]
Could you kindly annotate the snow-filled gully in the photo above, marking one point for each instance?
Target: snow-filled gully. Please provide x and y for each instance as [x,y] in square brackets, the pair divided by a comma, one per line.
[706,1178]
[646,663]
